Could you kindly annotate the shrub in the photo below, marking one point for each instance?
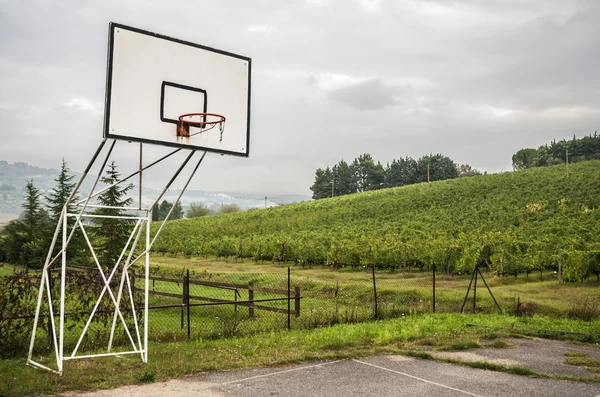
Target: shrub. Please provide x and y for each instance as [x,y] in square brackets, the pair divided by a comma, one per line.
[584,309]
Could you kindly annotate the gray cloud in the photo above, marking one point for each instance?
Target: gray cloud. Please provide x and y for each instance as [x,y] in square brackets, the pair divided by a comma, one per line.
[367,95]
[474,80]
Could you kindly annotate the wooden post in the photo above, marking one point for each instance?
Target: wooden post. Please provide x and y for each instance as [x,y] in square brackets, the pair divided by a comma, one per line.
[187,298]
[559,267]
[297,301]
[433,283]
[251,299]
[427,174]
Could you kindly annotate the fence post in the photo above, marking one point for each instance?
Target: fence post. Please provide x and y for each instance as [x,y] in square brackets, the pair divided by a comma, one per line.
[433,277]
[289,296]
[187,299]
[183,294]
[375,291]
[235,295]
[475,290]
[251,299]
[297,301]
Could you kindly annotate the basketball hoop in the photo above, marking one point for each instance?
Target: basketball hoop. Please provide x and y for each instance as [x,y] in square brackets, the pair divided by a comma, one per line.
[204,123]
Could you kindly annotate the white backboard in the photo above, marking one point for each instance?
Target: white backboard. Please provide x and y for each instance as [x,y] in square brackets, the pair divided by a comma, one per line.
[153,79]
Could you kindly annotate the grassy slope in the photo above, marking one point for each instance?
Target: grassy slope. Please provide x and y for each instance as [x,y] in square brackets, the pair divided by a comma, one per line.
[539,203]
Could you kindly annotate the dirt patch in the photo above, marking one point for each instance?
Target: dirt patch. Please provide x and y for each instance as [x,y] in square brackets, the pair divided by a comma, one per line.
[175,387]
[470,356]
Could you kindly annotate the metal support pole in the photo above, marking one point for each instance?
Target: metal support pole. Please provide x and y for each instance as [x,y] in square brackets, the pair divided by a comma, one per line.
[467,294]
[490,291]
[475,289]
[289,295]
[375,291]
[187,300]
[433,285]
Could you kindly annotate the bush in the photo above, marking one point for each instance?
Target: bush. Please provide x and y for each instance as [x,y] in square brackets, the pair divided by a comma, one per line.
[584,309]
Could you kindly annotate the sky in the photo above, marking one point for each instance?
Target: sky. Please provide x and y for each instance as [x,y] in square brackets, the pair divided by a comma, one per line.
[331,79]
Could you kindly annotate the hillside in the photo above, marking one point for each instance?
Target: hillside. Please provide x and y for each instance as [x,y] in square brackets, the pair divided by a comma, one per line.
[513,222]
[14,177]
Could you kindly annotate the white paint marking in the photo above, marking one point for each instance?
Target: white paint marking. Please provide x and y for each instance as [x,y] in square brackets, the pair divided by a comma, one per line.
[417,378]
[278,372]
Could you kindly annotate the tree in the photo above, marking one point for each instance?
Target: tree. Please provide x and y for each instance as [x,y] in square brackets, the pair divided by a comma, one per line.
[32,207]
[401,172]
[112,233]
[177,211]
[342,179]
[440,168]
[197,210]
[322,186]
[229,208]
[57,198]
[466,170]
[25,239]
[367,174]
[163,210]
[524,158]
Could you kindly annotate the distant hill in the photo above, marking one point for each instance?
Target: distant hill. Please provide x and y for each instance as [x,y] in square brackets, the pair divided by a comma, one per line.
[514,222]
[13,178]
[290,198]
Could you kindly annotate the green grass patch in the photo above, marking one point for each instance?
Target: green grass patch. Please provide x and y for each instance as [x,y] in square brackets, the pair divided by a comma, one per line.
[582,359]
[498,344]
[461,345]
[175,359]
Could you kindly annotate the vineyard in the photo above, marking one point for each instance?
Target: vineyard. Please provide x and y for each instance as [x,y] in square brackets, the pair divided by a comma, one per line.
[513,223]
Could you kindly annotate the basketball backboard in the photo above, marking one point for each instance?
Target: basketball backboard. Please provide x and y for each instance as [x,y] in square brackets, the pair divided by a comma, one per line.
[154,79]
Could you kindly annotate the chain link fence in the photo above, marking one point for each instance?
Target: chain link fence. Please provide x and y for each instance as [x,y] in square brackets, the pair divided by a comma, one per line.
[204,305]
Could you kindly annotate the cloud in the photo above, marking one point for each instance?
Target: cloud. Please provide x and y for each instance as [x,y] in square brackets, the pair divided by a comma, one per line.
[367,95]
[265,29]
[82,105]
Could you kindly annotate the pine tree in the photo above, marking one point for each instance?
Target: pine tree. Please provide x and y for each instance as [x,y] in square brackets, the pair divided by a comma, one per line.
[58,196]
[56,200]
[163,210]
[322,186]
[112,233]
[32,206]
[177,211]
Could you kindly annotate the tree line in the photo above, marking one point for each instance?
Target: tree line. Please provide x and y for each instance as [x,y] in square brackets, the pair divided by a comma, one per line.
[573,151]
[26,241]
[363,174]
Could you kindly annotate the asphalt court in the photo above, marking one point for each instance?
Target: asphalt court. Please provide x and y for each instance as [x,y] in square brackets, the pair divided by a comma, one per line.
[384,376]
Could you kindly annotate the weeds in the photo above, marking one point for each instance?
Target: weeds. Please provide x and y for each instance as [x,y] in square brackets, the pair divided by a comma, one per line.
[586,309]
[583,360]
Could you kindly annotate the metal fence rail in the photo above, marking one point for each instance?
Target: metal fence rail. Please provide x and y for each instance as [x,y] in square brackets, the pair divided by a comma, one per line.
[193,304]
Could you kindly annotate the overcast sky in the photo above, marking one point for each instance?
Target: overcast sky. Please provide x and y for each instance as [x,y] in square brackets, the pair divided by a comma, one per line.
[473,80]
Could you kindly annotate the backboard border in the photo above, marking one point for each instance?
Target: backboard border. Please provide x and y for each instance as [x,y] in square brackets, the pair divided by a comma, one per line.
[112,26]
[183,87]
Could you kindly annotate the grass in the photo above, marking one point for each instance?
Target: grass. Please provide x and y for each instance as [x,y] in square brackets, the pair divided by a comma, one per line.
[583,360]
[176,359]
[549,297]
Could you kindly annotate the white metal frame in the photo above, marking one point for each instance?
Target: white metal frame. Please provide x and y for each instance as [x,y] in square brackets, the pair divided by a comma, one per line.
[138,340]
